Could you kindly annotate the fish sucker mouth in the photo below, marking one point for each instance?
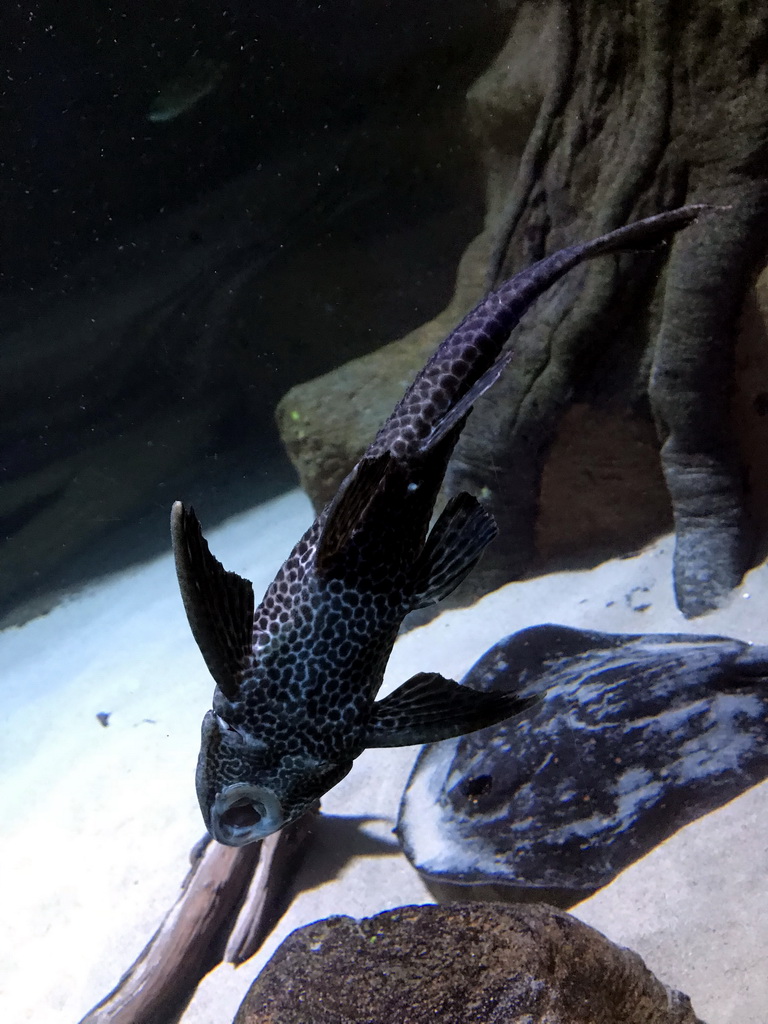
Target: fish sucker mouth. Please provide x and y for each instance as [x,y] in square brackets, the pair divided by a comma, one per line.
[244,813]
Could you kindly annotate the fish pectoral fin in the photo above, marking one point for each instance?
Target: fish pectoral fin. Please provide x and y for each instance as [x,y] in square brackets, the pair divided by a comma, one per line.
[429,707]
[455,543]
[349,506]
[218,603]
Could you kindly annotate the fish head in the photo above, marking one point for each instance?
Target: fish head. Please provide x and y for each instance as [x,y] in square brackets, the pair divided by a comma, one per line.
[246,792]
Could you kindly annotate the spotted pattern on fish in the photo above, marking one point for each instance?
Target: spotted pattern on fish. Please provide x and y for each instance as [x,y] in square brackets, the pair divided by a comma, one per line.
[297,677]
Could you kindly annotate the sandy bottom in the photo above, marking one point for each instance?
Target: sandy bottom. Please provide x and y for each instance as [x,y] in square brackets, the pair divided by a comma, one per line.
[97,823]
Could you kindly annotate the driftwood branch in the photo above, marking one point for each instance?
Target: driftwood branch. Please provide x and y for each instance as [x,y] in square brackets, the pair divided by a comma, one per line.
[246,886]
[265,899]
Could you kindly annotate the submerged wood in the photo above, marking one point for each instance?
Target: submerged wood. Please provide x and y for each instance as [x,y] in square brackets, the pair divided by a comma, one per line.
[265,898]
[188,944]
[225,884]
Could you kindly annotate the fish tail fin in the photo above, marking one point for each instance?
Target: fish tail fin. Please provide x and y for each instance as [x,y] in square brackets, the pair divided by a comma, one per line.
[470,360]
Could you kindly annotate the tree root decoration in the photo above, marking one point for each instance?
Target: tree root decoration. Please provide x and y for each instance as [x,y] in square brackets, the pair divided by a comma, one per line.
[690,394]
[245,884]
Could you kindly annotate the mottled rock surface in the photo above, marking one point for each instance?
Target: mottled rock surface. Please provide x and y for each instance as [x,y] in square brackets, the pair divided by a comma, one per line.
[465,964]
[636,737]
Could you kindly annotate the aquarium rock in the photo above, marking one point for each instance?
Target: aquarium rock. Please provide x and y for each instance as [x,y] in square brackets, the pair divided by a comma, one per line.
[463,964]
[637,736]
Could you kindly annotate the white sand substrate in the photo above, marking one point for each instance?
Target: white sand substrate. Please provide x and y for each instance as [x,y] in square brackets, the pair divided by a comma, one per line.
[97,823]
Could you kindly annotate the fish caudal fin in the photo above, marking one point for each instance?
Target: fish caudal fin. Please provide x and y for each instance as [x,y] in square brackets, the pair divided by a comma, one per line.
[484,331]
[428,708]
[457,540]
[218,603]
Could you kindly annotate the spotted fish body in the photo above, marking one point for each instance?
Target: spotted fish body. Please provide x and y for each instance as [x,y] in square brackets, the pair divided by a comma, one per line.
[297,677]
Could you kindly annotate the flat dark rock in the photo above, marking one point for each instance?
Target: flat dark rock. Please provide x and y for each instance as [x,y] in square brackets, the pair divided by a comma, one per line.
[464,964]
[635,737]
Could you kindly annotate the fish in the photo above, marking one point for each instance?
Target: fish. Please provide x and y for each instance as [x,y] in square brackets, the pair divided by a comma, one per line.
[297,677]
[198,79]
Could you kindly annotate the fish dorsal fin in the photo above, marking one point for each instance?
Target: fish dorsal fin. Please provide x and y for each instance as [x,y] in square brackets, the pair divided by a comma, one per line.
[429,707]
[218,603]
[348,508]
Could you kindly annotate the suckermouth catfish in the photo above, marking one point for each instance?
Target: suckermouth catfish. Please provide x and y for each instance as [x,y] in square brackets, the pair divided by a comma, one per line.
[297,677]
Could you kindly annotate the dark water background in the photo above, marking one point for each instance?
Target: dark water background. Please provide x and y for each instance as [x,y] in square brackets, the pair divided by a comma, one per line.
[162,284]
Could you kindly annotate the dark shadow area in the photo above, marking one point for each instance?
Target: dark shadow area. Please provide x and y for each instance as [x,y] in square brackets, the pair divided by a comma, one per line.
[202,207]
[333,843]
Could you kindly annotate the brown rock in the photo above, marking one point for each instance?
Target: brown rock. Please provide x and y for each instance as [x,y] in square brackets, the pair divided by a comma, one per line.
[463,964]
